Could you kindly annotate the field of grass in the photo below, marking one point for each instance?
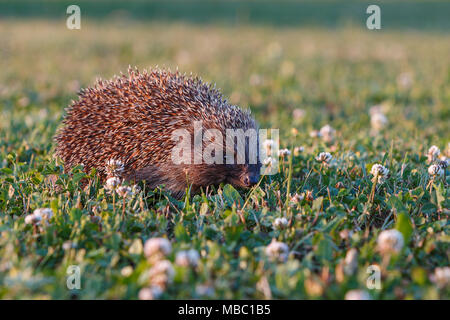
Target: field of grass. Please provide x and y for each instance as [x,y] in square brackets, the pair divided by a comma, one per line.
[291,78]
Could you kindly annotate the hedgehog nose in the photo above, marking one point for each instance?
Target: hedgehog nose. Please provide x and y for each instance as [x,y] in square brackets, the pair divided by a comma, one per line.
[250,180]
[254,179]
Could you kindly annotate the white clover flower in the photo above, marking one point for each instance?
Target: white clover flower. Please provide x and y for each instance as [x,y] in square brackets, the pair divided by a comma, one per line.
[268,144]
[357,295]
[268,162]
[390,241]
[280,223]
[187,258]
[157,248]
[284,152]
[124,191]
[32,219]
[379,171]
[378,121]
[314,134]
[67,245]
[298,150]
[441,277]
[351,261]
[277,251]
[296,198]
[433,153]
[150,293]
[162,267]
[161,274]
[117,164]
[43,213]
[327,133]
[376,109]
[114,167]
[324,157]
[39,215]
[126,271]
[298,114]
[435,170]
[112,183]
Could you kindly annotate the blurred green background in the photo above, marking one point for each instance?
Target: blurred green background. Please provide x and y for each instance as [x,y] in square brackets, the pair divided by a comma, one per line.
[404,14]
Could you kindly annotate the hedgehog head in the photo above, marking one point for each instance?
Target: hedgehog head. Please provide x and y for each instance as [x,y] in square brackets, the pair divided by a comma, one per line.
[225,156]
[243,175]
[244,170]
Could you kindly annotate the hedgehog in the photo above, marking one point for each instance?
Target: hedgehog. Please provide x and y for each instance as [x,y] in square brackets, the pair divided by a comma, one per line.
[136,120]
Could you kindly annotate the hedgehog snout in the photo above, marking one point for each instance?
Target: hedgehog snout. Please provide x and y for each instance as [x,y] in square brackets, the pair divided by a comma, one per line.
[250,177]
[249,180]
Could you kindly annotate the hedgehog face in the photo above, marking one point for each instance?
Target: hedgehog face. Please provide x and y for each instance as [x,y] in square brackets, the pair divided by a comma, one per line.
[240,173]
[244,175]
[201,176]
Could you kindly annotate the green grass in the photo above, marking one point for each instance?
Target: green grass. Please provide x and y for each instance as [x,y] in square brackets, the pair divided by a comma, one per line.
[334,75]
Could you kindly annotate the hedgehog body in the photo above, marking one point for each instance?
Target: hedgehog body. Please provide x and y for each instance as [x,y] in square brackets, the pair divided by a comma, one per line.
[132,119]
